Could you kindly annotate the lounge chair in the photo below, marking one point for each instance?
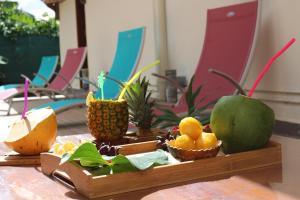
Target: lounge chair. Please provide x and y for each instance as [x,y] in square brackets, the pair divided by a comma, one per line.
[46,70]
[127,56]
[228,47]
[60,84]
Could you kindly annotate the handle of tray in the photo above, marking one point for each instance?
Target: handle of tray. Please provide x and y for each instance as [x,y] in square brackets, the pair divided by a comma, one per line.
[49,163]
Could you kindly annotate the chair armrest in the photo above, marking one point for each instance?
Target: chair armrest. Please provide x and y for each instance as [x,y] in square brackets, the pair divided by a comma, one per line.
[42,77]
[87,81]
[173,82]
[25,77]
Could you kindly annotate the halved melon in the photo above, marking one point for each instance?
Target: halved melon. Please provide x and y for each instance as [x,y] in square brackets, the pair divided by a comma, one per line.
[34,134]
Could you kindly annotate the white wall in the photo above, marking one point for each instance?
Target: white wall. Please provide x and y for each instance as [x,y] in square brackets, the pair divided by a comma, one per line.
[104,19]
[67,30]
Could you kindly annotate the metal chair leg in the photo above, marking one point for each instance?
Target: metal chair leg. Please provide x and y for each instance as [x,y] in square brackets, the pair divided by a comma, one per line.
[9,106]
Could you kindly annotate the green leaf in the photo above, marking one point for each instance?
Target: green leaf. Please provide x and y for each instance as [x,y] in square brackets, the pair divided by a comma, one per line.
[104,170]
[90,162]
[87,153]
[196,93]
[121,164]
[147,160]
[189,93]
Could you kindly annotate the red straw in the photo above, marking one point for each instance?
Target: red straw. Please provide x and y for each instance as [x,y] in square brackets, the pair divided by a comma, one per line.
[267,67]
[25,108]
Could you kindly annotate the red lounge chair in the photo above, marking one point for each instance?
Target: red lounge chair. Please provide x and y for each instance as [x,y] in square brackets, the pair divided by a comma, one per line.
[228,47]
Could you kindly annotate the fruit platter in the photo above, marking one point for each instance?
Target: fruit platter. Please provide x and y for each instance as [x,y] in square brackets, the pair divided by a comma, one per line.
[185,154]
[154,167]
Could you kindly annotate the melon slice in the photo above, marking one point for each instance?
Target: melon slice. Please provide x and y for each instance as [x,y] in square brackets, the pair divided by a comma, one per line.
[34,134]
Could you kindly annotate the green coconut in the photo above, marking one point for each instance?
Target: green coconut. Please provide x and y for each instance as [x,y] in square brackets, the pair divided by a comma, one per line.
[242,123]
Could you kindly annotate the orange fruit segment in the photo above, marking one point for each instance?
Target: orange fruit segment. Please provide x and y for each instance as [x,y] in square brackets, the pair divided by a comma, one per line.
[184,142]
[206,141]
[191,127]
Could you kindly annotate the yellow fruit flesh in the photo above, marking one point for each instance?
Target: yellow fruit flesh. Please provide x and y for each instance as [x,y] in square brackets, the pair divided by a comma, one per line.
[184,142]
[191,127]
[67,147]
[206,141]
[32,135]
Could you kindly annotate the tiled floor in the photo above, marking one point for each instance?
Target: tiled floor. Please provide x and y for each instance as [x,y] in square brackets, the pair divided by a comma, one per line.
[74,122]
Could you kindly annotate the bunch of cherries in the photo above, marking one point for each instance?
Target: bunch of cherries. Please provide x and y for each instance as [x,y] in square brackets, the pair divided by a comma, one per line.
[106,149]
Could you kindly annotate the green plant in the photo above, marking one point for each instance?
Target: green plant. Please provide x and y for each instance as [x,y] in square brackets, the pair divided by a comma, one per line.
[15,23]
[170,118]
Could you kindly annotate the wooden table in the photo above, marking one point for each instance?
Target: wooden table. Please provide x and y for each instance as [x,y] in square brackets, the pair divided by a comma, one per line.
[30,183]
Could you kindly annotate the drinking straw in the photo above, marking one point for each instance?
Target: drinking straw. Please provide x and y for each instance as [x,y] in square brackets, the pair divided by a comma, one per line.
[25,108]
[101,79]
[136,76]
[268,65]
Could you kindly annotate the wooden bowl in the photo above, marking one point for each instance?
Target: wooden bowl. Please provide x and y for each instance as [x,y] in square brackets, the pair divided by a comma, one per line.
[185,155]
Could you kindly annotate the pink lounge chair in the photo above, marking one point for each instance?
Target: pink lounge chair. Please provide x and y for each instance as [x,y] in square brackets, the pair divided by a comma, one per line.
[228,46]
[73,62]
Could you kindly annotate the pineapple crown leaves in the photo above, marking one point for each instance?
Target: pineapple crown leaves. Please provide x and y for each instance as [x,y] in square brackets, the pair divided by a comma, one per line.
[139,103]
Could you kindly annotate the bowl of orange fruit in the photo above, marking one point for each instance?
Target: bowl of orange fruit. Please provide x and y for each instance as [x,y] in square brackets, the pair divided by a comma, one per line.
[193,143]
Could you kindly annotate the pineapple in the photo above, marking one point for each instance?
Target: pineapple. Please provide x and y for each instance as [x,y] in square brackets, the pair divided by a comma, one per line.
[140,106]
[107,119]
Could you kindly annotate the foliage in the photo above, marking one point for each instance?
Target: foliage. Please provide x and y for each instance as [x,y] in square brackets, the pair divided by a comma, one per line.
[170,118]
[88,156]
[15,23]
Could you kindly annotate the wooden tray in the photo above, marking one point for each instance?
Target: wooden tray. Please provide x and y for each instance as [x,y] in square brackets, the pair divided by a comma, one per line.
[15,159]
[221,166]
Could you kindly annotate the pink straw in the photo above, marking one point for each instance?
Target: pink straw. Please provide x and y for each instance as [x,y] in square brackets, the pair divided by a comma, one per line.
[25,108]
[267,67]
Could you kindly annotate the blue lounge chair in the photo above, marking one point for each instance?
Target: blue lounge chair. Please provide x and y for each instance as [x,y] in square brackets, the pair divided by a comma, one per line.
[46,71]
[127,56]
